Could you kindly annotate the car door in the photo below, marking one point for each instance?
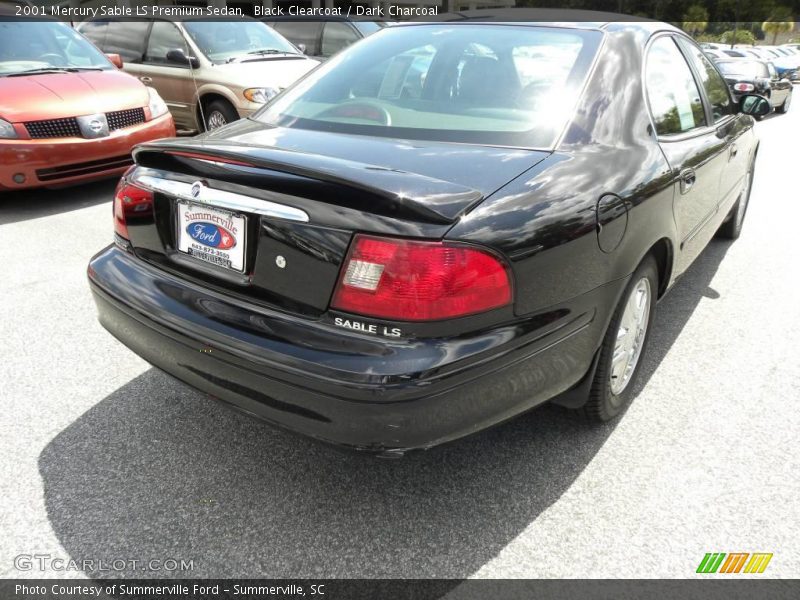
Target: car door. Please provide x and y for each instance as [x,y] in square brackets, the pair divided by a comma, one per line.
[780,87]
[172,80]
[689,141]
[729,124]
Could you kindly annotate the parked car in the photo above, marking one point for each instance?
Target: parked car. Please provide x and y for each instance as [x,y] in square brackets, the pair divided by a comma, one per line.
[67,114]
[735,53]
[209,72]
[757,77]
[387,271]
[322,37]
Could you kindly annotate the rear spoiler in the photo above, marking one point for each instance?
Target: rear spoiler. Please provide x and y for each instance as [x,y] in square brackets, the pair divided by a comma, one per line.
[417,196]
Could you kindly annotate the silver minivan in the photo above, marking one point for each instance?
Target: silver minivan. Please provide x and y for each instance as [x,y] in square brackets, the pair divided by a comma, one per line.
[209,72]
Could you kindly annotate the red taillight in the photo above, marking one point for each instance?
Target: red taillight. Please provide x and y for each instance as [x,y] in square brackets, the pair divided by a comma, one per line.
[744,87]
[130,201]
[407,280]
[211,158]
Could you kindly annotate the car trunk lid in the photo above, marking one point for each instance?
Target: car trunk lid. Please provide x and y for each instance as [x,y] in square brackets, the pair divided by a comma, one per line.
[330,189]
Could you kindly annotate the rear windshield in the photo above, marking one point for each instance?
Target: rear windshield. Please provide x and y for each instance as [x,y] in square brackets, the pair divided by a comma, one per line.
[747,68]
[486,84]
[45,45]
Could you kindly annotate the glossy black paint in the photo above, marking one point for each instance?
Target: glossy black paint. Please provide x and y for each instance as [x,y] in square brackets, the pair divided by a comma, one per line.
[573,222]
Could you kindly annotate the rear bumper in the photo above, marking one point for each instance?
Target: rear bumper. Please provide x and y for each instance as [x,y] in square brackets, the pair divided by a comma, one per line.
[65,161]
[342,387]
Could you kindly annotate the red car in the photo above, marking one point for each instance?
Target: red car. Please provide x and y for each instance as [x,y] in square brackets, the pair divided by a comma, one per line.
[67,113]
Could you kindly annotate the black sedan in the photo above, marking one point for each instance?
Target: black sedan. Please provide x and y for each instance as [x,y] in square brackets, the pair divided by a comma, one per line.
[442,227]
[757,77]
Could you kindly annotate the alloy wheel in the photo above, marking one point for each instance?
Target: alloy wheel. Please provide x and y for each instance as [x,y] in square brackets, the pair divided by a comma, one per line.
[631,335]
[216,120]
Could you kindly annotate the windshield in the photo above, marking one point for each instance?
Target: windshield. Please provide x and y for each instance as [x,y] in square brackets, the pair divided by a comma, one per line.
[42,46]
[225,41]
[747,68]
[486,84]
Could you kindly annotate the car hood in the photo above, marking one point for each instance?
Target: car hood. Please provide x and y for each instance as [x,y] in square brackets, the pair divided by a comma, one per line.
[269,72]
[59,95]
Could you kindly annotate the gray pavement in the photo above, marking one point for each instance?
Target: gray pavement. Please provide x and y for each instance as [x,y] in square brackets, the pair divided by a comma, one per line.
[104,458]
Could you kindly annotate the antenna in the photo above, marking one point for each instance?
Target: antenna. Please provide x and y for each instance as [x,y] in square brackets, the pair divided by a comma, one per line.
[190,55]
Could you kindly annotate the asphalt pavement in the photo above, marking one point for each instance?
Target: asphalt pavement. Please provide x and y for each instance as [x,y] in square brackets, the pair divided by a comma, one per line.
[103,458]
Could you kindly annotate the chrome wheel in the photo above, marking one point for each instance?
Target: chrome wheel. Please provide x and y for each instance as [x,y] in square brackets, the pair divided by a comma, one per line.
[630,336]
[216,120]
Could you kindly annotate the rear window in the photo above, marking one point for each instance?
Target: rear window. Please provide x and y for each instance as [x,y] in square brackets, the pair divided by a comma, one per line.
[747,68]
[488,84]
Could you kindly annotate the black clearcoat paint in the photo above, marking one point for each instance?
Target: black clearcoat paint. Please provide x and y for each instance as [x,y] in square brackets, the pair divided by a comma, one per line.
[572,221]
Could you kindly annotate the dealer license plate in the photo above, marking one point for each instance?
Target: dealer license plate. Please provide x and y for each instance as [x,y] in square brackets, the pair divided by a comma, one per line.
[212,235]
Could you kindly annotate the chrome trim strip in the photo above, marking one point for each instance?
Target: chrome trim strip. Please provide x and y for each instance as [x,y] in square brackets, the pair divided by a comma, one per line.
[221,198]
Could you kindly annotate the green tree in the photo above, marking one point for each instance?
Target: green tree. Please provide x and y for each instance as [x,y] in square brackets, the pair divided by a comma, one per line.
[779,23]
[743,36]
[695,20]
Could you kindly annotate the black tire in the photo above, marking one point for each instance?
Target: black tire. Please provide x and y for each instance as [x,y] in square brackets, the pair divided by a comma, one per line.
[787,102]
[731,228]
[604,402]
[219,113]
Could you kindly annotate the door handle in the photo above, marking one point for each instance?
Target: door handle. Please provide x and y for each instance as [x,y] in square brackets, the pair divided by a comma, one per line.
[146,80]
[688,179]
[734,150]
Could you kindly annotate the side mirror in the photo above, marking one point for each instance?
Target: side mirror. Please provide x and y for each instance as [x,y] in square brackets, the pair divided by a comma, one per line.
[115,59]
[177,56]
[301,47]
[754,105]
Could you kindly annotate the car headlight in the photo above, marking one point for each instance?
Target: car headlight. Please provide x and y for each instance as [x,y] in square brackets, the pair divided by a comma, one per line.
[260,95]
[157,106]
[7,130]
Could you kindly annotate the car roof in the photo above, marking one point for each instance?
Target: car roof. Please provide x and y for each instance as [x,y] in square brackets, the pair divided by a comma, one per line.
[578,19]
[739,60]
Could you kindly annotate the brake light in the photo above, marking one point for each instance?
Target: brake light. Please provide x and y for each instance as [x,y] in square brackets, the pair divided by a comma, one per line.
[210,158]
[744,87]
[409,280]
[130,201]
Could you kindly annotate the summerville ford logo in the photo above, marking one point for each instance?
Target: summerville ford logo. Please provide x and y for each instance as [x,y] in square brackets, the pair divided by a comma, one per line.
[211,230]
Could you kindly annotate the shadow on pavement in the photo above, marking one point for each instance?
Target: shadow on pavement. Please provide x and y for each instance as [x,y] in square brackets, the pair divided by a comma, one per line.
[33,204]
[157,470]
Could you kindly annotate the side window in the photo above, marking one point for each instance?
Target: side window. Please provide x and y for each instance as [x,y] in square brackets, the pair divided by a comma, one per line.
[336,36]
[711,80]
[126,38]
[773,74]
[671,90]
[164,37]
[300,32]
